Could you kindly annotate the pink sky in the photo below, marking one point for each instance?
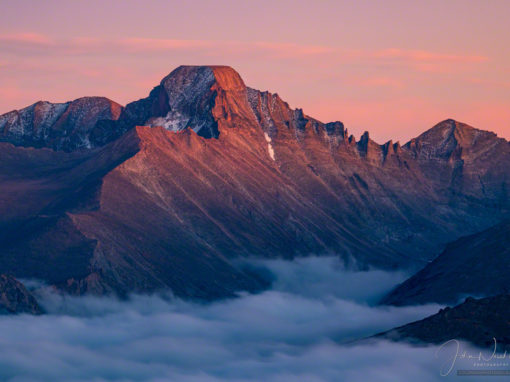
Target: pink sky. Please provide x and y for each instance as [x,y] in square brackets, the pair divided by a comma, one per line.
[394,68]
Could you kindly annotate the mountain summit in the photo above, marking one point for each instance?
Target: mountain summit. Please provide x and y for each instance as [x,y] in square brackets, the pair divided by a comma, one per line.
[172,190]
[450,140]
[191,92]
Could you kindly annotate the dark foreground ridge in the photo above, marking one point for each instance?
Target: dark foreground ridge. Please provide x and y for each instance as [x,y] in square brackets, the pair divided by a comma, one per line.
[474,265]
[478,321]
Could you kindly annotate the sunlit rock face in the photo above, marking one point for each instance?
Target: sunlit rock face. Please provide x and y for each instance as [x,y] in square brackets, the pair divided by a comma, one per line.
[175,187]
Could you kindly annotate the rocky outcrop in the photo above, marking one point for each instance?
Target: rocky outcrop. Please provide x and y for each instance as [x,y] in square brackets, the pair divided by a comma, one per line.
[15,298]
[478,321]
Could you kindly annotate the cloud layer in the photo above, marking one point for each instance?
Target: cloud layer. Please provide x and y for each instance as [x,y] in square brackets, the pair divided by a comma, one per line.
[296,331]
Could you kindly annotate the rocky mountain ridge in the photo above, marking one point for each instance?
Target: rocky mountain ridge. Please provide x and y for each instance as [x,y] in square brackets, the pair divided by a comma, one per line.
[175,187]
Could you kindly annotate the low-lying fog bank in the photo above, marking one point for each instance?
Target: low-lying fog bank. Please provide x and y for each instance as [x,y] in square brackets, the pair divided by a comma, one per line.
[295,331]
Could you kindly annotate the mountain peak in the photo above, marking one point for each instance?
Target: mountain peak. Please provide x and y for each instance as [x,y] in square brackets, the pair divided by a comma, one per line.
[186,77]
[452,126]
[189,94]
[448,139]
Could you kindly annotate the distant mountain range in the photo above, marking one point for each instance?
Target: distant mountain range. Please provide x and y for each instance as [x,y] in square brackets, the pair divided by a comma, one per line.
[171,190]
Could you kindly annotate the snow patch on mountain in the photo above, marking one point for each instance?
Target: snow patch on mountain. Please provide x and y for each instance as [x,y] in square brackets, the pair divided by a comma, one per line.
[270,148]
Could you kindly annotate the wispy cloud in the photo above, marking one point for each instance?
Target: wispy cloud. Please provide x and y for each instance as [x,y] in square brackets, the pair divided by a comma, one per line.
[31,43]
[28,43]
[375,82]
[427,56]
[26,38]
[287,49]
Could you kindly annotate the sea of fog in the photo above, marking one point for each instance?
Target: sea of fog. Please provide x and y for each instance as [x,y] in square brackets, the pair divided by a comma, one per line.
[300,330]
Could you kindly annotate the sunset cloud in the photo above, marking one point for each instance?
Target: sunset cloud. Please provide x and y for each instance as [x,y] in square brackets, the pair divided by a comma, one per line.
[25,38]
[94,46]
[426,56]
[376,82]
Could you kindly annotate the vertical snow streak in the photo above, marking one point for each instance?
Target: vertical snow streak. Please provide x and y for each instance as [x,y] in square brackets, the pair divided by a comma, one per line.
[270,148]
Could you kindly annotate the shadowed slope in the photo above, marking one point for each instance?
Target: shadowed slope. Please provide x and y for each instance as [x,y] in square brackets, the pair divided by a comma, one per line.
[476,265]
[478,321]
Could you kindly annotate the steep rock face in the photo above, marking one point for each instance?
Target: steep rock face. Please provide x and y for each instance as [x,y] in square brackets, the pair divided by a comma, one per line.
[60,126]
[15,298]
[221,171]
[189,97]
[476,265]
[478,321]
[192,94]
[190,101]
